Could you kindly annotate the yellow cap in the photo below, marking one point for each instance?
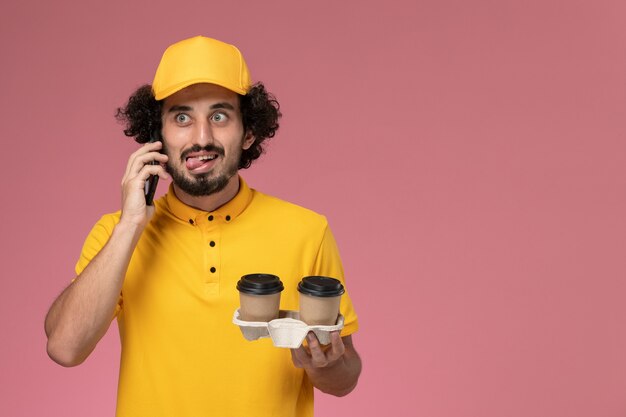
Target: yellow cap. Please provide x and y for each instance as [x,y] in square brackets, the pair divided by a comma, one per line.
[200,60]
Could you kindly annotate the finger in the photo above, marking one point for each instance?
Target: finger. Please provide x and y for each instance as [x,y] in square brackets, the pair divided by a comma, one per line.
[147,147]
[142,176]
[145,159]
[144,172]
[318,358]
[294,358]
[337,347]
[299,357]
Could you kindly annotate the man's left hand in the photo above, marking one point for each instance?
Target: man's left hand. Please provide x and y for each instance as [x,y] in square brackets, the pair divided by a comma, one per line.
[317,356]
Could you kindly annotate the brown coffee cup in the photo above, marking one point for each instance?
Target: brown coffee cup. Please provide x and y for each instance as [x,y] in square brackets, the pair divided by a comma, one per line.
[319,300]
[259,297]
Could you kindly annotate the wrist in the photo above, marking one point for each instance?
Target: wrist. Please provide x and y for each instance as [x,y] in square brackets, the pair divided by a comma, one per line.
[128,228]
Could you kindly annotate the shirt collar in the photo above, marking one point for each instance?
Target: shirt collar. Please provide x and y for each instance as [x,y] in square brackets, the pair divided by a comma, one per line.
[226,213]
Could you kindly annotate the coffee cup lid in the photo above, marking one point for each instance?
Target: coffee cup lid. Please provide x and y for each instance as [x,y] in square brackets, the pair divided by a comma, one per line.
[319,286]
[260,284]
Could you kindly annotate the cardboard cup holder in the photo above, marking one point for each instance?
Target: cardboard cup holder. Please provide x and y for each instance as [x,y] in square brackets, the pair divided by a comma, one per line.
[286,331]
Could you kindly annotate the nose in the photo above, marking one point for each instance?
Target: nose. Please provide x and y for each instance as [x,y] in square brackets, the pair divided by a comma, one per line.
[204,133]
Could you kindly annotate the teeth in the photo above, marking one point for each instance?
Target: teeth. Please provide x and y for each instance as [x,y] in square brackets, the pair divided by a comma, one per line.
[206,157]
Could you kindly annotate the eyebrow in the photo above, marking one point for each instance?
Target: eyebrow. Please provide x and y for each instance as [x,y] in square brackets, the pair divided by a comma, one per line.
[177,108]
[221,105]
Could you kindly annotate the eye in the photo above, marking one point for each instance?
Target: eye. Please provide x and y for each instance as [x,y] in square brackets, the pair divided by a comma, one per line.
[182,118]
[218,117]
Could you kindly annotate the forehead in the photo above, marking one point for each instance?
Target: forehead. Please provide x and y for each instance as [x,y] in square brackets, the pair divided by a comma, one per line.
[201,95]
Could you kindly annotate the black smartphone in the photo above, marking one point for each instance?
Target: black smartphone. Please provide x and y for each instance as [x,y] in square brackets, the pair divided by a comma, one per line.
[151,183]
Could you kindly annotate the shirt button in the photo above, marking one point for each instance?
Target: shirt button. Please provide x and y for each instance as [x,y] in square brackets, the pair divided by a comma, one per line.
[211,243]
[190,221]
[227,218]
[213,269]
[211,218]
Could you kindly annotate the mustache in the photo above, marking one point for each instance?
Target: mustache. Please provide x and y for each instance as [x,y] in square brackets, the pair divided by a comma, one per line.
[197,148]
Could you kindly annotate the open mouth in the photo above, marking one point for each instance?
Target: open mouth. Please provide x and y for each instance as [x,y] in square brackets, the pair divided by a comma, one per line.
[198,162]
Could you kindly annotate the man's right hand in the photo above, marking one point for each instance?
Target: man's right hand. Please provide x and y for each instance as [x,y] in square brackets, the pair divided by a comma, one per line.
[138,170]
[81,315]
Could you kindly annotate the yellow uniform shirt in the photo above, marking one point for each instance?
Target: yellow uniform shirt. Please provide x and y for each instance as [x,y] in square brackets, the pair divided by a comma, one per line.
[181,353]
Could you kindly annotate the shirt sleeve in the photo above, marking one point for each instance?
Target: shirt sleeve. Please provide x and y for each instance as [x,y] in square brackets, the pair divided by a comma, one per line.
[97,238]
[328,263]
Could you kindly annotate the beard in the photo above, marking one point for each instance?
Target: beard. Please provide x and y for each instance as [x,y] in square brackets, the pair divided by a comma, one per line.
[207,183]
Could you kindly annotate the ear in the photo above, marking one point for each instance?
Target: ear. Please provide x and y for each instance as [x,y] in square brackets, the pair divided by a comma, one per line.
[248,140]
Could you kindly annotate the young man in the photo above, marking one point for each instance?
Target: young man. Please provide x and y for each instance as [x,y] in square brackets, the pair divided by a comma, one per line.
[168,272]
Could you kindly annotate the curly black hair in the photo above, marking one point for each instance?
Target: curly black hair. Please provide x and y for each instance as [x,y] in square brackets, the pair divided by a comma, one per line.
[260,112]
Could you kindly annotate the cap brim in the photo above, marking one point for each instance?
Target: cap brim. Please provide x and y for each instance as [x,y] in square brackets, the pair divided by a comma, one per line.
[163,94]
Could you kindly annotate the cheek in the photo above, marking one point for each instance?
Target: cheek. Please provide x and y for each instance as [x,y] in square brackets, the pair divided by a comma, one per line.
[172,135]
[174,138]
[170,148]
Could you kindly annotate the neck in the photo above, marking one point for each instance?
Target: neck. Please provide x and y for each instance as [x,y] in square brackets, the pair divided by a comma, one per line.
[213,201]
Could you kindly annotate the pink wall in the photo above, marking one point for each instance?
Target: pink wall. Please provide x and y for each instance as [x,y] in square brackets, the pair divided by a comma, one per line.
[470,156]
